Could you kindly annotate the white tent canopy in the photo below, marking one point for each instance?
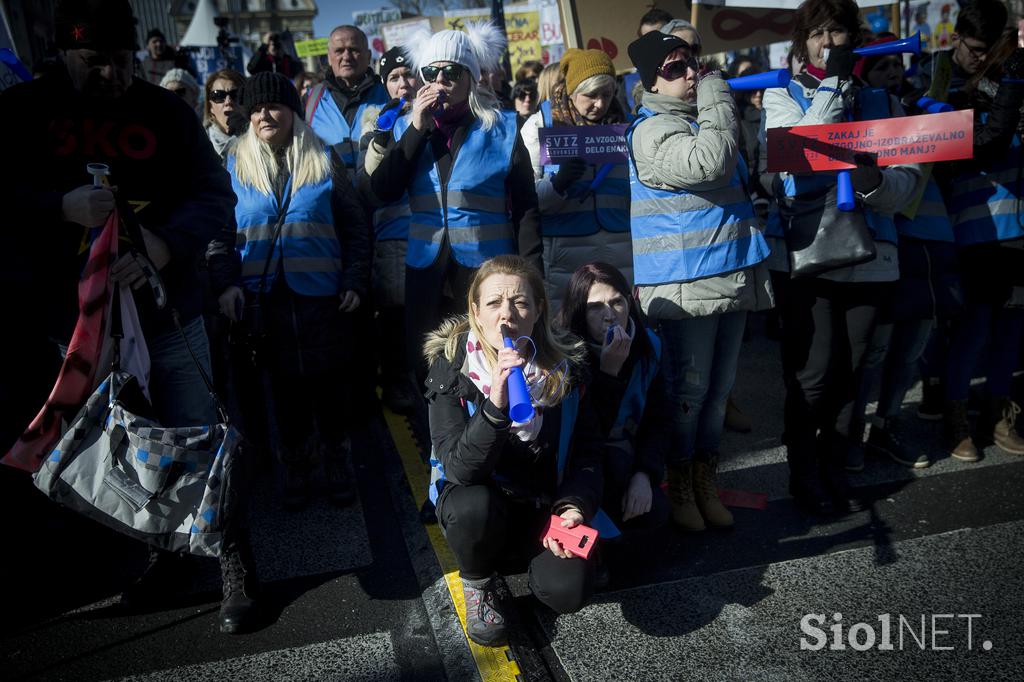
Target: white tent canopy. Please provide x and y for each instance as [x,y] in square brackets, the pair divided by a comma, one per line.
[202,32]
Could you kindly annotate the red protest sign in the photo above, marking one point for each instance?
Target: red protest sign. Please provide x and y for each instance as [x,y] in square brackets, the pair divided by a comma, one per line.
[908,139]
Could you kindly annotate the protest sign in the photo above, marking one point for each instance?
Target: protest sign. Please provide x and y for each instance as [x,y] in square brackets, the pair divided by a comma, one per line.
[908,139]
[370,22]
[522,28]
[594,144]
[209,60]
[609,25]
[311,48]
[399,32]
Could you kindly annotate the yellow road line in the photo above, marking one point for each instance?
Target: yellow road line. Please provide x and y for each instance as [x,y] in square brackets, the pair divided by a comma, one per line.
[495,664]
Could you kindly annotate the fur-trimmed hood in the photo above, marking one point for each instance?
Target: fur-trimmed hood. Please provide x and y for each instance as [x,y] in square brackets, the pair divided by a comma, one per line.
[442,342]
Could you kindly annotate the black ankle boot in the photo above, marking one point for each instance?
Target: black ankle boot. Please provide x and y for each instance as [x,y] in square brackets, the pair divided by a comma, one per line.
[239,610]
[832,453]
[804,482]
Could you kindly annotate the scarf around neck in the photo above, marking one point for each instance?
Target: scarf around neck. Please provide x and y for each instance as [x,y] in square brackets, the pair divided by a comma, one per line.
[479,372]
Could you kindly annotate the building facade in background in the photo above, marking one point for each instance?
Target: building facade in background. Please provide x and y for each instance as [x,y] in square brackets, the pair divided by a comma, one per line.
[251,19]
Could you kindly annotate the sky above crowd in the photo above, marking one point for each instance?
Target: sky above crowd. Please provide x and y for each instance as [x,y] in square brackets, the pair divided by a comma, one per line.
[336,12]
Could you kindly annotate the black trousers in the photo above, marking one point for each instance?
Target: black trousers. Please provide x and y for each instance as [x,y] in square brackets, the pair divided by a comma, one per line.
[486,530]
[431,294]
[618,471]
[827,328]
[393,345]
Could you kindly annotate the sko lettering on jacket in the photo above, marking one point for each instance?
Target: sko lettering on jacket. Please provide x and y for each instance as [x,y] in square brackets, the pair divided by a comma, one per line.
[109,139]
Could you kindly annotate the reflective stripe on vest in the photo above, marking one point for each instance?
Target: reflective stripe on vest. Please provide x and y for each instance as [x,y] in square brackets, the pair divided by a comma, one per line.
[932,222]
[308,243]
[391,221]
[472,209]
[328,122]
[882,227]
[680,236]
[634,401]
[985,206]
[607,207]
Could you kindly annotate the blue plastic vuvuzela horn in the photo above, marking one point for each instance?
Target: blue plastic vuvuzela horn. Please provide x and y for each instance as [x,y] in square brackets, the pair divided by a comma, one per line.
[778,78]
[845,200]
[933,106]
[519,406]
[911,44]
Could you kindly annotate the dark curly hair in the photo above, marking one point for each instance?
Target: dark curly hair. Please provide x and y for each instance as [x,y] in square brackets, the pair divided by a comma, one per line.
[812,14]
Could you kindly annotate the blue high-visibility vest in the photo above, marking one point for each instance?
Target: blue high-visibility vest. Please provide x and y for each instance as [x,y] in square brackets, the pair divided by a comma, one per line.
[680,236]
[932,221]
[471,209]
[308,250]
[330,124]
[882,227]
[607,207]
[634,401]
[985,206]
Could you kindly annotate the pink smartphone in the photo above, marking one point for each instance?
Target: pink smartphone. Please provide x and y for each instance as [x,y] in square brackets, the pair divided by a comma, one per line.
[579,540]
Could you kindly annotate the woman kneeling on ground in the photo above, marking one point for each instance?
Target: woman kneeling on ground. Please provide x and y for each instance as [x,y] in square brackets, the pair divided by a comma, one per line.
[628,393]
[496,482]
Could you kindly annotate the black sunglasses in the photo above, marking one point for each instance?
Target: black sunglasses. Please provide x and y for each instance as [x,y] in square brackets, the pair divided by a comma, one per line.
[450,72]
[219,96]
[677,69]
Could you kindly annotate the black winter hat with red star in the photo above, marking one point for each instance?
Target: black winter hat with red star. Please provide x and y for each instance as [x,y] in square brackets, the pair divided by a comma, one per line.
[95,25]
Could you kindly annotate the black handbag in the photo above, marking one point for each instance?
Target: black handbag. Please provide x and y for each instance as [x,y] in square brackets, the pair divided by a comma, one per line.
[250,332]
[820,237]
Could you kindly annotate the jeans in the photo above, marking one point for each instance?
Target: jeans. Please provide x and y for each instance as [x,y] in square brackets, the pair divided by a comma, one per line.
[700,361]
[893,353]
[1002,328]
[180,396]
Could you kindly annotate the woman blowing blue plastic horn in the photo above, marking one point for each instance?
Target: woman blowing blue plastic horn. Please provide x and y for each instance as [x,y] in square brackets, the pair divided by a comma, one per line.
[842,258]
[698,256]
[466,171]
[496,482]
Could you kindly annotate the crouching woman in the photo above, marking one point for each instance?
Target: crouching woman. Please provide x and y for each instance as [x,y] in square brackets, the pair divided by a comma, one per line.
[497,482]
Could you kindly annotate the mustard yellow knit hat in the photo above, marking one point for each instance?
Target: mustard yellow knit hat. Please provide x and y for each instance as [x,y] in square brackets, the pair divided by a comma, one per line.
[578,65]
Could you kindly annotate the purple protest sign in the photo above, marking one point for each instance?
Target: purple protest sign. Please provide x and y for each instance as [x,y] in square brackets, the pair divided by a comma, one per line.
[594,144]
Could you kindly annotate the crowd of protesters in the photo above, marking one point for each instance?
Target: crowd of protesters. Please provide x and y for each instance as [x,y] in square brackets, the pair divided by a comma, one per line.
[320,235]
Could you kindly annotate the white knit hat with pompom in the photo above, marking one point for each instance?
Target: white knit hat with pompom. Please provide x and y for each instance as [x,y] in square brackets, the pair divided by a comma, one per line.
[480,46]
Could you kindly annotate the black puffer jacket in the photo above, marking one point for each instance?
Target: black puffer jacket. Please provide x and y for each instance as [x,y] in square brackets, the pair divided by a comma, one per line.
[649,440]
[474,449]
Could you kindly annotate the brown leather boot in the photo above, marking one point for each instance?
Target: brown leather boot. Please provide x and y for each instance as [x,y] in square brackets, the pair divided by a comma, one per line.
[1004,433]
[706,494]
[685,513]
[958,432]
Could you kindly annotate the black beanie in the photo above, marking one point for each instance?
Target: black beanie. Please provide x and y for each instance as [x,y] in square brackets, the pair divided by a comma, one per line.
[155,33]
[94,25]
[648,52]
[268,87]
[391,60]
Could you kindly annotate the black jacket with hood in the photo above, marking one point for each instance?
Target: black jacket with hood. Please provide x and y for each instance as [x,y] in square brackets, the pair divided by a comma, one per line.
[474,448]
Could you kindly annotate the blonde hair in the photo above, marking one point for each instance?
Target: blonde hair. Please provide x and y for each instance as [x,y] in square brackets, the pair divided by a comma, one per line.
[547,80]
[306,159]
[484,104]
[554,345]
[595,83]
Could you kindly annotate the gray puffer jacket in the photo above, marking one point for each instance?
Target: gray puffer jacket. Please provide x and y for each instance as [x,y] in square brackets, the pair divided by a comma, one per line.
[670,155]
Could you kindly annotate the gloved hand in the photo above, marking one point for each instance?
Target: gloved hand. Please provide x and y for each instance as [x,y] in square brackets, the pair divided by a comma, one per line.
[840,62]
[238,122]
[865,177]
[569,171]
[1013,67]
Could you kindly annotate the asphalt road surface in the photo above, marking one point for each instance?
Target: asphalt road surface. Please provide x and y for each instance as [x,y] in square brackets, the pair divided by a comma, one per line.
[927,583]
